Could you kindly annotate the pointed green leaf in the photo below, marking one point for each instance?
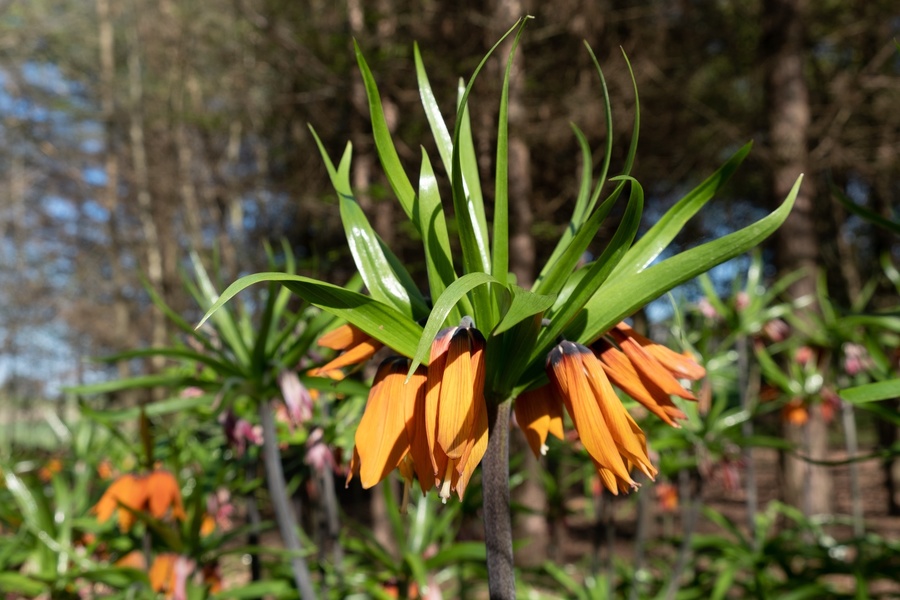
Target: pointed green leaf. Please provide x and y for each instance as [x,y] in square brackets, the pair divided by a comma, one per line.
[225,323]
[863,212]
[524,304]
[384,275]
[429,214]
[387,153]
[433,113]
[379,320]
[664,231]
[597,273]
[872,392]
[500,255]
[176,404]
[621,297]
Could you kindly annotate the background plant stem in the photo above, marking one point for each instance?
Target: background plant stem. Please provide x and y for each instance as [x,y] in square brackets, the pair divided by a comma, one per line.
[497,522]
[287,523]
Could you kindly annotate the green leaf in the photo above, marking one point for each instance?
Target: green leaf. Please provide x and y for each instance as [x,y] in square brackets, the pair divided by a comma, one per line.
[429,215]
[15,583]
[459,552]
[442,308]
[524,304]
[865,213]
[153,409]
[384,145]
[379,320]
[554,279]
[384,275]
[596,273]
[226,326]
[185,354]
[433,113]
[664,231]
[620,298]
[872,392]
[166,380]
[257,589]
[468,204]
[501,179]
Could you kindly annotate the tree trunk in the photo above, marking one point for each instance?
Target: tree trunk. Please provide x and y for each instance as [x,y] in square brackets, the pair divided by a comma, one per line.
[807,486]
[109,197]
[151,241]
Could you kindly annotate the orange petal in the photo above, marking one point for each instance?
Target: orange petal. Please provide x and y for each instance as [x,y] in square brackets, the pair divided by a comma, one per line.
[567,371]
[539,412]
[162,572]
[433,387]
[353,469]
[650,368]
[343,337]
[355,355]
[462,387]
[623,374]
[419,452]
[682,365]
[615,416]
[381,438]
[163,493]
[475,452]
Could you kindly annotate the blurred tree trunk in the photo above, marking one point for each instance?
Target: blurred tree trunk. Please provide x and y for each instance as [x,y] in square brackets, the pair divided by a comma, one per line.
[109,195]
[151,242]
[806,486]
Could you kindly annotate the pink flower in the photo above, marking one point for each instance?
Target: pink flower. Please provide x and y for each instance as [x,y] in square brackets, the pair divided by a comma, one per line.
[856,359]
[776,330]
[191,392]
[318,454]
[742,300]
[804,355]
[707,309]
[238,432]
[297,398]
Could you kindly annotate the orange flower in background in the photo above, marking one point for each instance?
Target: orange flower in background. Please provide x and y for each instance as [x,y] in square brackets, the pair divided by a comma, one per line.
[667,497]
[162,573]
[455,412]
[357,347]
[104,469]
[795,412]
[539,413]
[609,434]
[156,493]
[52,467]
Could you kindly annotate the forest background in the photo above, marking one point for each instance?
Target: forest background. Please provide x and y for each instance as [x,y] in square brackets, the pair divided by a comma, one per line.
[135,132]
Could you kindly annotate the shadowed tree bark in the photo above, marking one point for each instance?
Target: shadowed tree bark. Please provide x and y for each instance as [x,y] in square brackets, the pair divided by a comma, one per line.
[806,486]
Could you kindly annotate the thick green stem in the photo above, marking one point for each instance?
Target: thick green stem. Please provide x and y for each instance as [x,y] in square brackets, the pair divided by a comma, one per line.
[497,520]
[287,523]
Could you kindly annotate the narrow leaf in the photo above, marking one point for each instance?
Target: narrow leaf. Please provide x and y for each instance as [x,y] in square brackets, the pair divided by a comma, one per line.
[621,297]
[387,153]
[664,231]
[872,392]
[379,320]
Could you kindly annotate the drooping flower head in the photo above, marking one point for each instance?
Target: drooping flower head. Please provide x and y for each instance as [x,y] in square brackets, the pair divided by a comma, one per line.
[609,434]
[646,371]
[455,412]
[388,423]
[157,493]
